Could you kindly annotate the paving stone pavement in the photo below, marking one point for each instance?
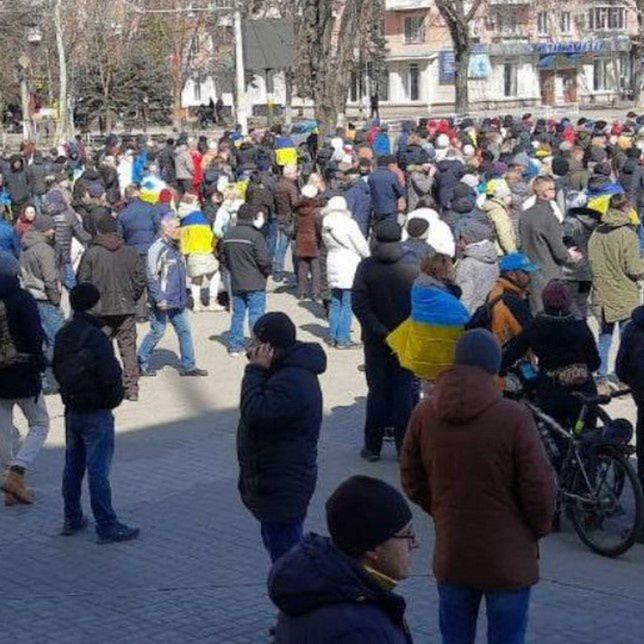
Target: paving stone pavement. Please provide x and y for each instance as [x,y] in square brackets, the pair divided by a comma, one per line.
[197,573]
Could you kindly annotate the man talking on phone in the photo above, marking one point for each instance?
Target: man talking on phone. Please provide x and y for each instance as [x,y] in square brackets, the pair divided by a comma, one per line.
[279,427]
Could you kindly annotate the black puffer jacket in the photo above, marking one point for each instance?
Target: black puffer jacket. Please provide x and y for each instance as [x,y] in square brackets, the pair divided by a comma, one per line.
[36,174]
[118,273]
[17,181]
[101,384]
[23,379]
[449,174]
[381,293]
[67,226]
[281,414]
[578,226]
[630,359]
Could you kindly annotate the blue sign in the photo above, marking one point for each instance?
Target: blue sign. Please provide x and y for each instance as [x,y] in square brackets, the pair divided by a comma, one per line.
[568,47]
[446,67]
[479,66]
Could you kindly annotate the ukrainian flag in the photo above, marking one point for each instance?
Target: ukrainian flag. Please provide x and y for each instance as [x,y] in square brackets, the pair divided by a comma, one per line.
[425,343]
[285,152]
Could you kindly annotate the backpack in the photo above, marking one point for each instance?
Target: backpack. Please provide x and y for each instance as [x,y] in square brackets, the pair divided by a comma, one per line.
[9,354]
[482,317]
[76,371]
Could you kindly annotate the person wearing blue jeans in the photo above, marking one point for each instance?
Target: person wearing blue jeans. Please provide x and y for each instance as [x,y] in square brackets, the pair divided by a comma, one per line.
[340,316]
[52,319]
[255,303]
[507,614]
[281,248]
[279,538]
[606,331]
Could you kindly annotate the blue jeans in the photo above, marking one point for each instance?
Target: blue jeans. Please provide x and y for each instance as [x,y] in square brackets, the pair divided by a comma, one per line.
[52,319]
[271,237]
[181,324]
[279,538]
[255,303]
[67,276]
[89,435]
[507,614]
[281,247]
[340,315]
[605,340]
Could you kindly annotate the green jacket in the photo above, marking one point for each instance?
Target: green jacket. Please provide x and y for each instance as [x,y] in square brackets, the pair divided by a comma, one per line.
[499,216]
[616,265]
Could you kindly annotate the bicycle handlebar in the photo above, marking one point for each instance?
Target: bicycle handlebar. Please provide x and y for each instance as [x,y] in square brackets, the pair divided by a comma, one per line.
[598,399]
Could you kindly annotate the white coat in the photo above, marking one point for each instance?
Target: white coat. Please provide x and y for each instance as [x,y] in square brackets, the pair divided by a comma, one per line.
[440,236]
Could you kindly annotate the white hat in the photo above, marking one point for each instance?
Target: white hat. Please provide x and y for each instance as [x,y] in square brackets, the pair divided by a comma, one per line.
[309,191]
[336,204]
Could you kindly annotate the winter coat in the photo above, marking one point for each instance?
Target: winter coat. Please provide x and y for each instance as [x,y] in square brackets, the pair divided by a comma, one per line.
[277,437]
[411,155]
[38,270]
[90,179]
[386,190]
[244,253]
[499,215]
[117,271]
[616,266]
[510,310]
[166,275]
[103,387]
[449,173]
[67,226]
[184,166]
[325,596]
[9,240]
[22,226]
[419,249]
[440,236]
[632,180]
[542,242]
[381,292]
[474,461]
[36,174]
[165,161]
[629,366]
[139,224]
[521,192]
[22,379]
[462,211]
[307,242]
[419,185]
[578,226]
[287,197]
[476,273]
[17,183]
[578,175]
[261,197]
[360,204]
[381,144]
[345,245]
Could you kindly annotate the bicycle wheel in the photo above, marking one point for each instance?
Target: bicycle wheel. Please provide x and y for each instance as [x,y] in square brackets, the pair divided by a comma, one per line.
[609,518]
[603,419]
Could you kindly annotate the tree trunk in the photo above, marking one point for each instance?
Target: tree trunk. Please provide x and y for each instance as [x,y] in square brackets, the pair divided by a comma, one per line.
[63,102]
[288,90]
[177,120]
[462,97]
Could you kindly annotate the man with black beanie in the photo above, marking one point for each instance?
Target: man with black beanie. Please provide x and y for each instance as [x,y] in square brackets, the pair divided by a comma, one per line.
[280,418]
[381,300]
[118,273]
[90,380]
[341,589]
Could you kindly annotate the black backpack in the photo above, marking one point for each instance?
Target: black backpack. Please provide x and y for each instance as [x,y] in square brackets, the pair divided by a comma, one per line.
[76,372]
[482,317]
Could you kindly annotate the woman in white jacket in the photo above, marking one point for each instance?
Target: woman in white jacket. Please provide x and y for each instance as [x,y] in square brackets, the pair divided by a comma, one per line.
[346,247]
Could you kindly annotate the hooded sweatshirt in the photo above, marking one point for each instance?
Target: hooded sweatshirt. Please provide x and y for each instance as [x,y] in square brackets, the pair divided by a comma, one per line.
[476,273]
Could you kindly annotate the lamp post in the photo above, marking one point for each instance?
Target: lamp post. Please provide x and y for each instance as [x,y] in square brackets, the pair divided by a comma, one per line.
[23,68]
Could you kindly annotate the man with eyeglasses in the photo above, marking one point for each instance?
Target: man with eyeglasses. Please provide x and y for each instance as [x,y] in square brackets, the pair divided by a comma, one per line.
[341,589]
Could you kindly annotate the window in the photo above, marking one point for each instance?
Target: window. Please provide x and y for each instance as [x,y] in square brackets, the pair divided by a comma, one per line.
[607,18]
[542,23]
[383,85]
[601,74]
[510,73]
[565,23]
[414,83]
[414,30]
[197,91]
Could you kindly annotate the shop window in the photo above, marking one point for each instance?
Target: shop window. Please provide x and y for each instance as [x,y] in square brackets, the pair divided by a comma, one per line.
[565,23]
[414,83]
[414,30]
[601,74]
[607,18]
[542,23]
[510,77]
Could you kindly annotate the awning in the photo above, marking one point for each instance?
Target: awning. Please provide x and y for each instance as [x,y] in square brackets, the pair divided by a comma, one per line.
[558,61]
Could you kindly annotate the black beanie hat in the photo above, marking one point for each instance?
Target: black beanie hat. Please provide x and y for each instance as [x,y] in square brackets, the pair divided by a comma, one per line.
[106,224]
[417,227]
[276,329]
[247,212]
[560,166]
[387,230]
[83,297]
[385,160]
[43,223]
[363,513]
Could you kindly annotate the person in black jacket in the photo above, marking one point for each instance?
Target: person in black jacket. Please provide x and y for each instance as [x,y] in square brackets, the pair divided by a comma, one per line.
[381,300]
[245,254]
[118,273]
[341,589]
[90,385]
[36,174]
[280,418]
[21,362]
[17,183]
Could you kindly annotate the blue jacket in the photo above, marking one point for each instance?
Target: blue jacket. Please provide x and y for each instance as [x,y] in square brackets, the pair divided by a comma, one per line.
[138,167]
[381,145]
[166,273]
[23,379]
[324,596]
[385,192]
[139,225]
[9,240]
[359,201]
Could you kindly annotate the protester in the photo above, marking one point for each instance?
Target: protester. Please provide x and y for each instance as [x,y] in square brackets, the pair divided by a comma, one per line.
[416,243]
[307,244]
[369,552]
[280,418]
[90,386]
[25,221]
[498,211]
[387,193]
[286,199]
[9,239]
[474,461]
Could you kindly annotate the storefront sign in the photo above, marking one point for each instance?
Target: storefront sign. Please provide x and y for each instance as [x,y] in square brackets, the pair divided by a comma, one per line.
[569,47]
[479,66]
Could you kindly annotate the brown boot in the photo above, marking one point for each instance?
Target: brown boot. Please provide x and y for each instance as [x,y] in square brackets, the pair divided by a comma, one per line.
[14,483]
[9,499]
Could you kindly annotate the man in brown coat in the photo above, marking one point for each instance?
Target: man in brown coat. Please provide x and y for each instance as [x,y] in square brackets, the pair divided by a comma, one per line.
[474,461]
[287,197]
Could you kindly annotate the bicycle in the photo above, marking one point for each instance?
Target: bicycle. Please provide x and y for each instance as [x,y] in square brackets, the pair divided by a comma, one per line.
[596,485]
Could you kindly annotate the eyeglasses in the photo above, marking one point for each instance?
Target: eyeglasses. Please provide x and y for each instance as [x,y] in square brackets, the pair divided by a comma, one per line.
[409,536]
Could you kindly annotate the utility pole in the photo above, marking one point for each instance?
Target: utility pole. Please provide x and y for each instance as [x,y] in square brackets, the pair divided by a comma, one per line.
[23,67]
[240,73]
[63,102]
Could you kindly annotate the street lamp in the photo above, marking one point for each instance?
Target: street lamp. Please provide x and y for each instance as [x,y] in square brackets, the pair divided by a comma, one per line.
[34,38]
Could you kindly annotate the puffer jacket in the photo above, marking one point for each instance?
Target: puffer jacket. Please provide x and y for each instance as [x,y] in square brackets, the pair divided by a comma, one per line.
[629,366]
[616,267]
[184,167]
[166,275]
[36,174]
[345,245]
[307,242]
[578,226]
[38,270]
[67,226]
[419,185]
[499,215]
[324,597]
[360,204]
[476,273]
[17,182]
[449,174]
[286,199]
[139,225]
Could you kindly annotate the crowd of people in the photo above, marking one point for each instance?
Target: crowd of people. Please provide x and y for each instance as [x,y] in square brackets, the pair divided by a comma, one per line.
[462,248]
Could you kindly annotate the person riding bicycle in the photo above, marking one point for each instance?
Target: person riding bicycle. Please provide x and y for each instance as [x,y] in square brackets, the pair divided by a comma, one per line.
[566,352]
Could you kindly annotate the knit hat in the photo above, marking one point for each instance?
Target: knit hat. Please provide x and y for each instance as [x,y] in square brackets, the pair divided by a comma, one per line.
[387,231]
[96,190]
[247,212]
[470,180]
[309,191]
[597,155]
[276,329]
[602,169]
[106,224]
[556,297]
[9,265]
[165,196]
[417,227]
[336,204]
[363,513]
[472,231]
[43,223]
[83,297]
[385,160]
[479,348]
[560,166]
